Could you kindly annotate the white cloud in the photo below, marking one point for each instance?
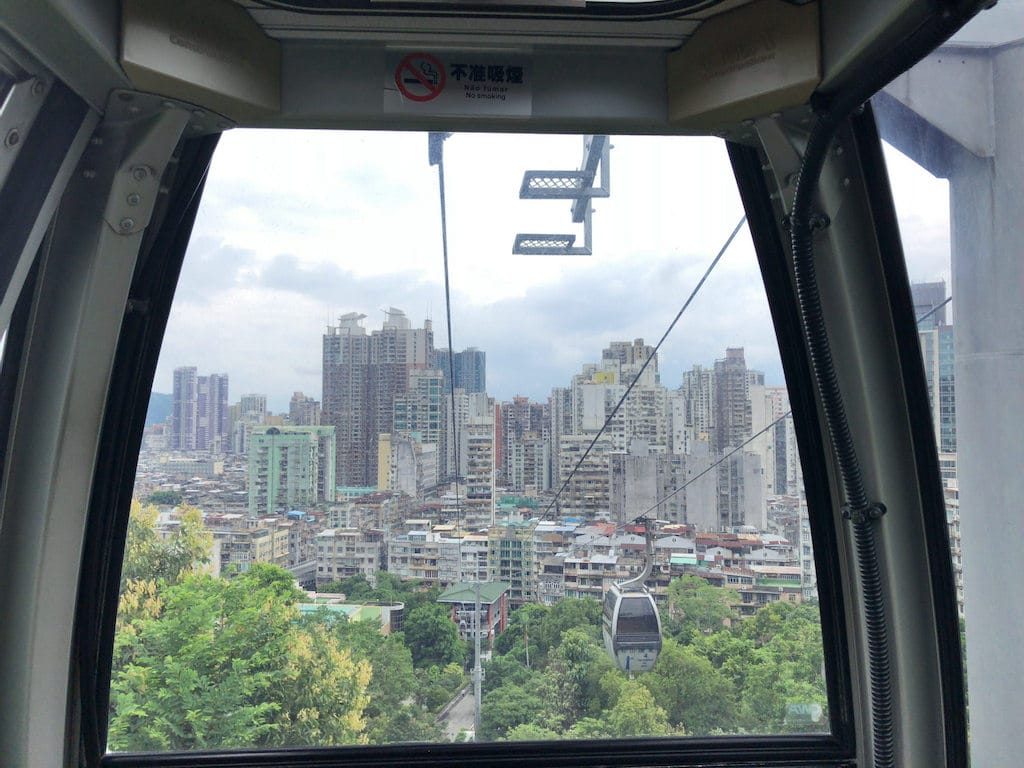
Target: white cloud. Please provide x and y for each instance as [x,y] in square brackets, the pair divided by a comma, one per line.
[298,227]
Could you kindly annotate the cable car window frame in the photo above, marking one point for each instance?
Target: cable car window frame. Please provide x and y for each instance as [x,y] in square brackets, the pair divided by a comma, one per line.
[113,487]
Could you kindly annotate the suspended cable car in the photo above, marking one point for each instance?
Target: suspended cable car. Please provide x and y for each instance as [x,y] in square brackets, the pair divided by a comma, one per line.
[631,624]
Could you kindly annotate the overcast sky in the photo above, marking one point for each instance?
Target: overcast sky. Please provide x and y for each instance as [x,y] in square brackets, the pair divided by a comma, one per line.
[299,227]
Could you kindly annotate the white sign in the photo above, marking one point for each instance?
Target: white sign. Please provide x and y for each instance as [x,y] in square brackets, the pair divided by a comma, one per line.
[447,83]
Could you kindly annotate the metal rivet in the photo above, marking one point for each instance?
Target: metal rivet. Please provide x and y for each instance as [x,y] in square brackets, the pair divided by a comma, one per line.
[140,172]
[168,104]
[127,224]
[134,109]
[96,141]
[38,87]
[748,122]
[839,151]
[12,138]
[846,183]
[134,198]
[198,113]
[89,174]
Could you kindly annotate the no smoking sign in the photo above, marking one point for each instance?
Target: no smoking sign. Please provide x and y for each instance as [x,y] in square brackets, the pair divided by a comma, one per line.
[473,84]
[420,77]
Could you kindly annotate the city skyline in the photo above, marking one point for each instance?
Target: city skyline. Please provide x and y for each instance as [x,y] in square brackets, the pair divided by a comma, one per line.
[270,266]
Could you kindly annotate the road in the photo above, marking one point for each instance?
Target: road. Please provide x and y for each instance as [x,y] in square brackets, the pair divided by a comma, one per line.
[458,714]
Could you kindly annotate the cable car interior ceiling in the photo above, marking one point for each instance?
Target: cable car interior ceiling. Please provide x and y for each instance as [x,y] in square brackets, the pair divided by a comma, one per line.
[158,71]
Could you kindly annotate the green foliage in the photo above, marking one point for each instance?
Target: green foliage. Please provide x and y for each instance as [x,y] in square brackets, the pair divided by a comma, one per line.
[356,589]
[531,732]
[506,708]
[164,498]
[225,664]
[694,607]
[433,637]
[694,694]
[577,667]
[439,685]
[201,662]
[148,557]
[636,714]
[718,676]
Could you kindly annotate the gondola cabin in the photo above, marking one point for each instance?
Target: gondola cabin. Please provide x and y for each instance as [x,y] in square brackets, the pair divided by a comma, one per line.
[632,628]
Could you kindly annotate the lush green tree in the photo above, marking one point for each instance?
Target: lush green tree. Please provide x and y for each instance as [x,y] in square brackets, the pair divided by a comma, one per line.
[694,607]
[729,652]
[588,728]
[323,692]
[226,664]
[406,724]
[394,681]
[583,614]
[355,588]
[433,637]
[637,714]
[507,707]
[439,685]
[149,557]
[531,732]
[361,637]
[164,498]
[506,670]
[524,623]
[576,670]
[692,692]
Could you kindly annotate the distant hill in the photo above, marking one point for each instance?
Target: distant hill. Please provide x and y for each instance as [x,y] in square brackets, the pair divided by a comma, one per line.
[159,408]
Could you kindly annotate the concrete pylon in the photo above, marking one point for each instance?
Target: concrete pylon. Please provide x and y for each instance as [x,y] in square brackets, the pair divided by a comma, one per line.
[960,114]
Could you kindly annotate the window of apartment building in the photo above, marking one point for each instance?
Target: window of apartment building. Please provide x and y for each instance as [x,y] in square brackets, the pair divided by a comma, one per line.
[340,293]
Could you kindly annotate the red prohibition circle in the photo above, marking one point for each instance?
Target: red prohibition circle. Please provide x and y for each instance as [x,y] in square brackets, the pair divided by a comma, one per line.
[410,72]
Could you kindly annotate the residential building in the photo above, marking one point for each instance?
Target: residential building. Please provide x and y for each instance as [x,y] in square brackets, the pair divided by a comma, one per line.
[290,467]
[213,427]
[492,598]
[512,558]
[184,409]
[363,374]
[343,553]
[303,411]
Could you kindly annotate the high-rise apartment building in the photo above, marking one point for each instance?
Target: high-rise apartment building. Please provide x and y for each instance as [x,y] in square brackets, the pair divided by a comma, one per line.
[732,400]
[303,411]
[698,408]
[631,357]
[421,413]
[213,426]
[521,422]
[290,467]
[469,367]
[476,454]
[184,409]
[346,357]
[200,419]
[362,376]
[936,337]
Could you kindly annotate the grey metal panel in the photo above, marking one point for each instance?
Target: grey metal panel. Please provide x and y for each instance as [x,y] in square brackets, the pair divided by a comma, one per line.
[57,410]
[454,28]
[331,85]
[855,32]
[77,40]
[868,368]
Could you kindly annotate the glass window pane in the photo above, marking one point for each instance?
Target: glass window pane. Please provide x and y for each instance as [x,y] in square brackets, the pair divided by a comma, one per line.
[334,503]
